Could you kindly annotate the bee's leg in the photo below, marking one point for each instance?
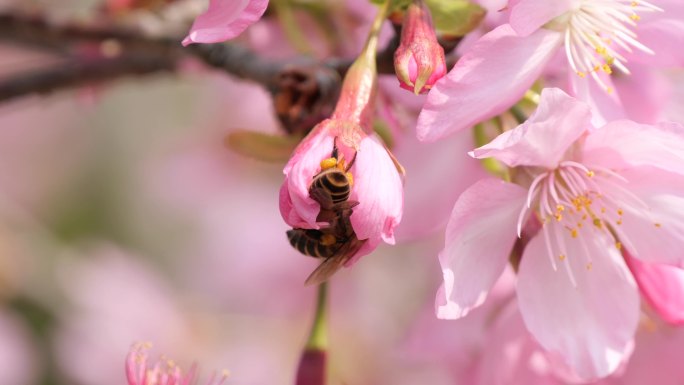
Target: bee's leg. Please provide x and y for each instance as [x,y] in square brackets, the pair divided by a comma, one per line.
[326,215]
[349,166]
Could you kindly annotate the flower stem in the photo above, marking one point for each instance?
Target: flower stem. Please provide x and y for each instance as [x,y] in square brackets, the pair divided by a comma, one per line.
[312,364]
[318,337]
[371,46]
[360,83]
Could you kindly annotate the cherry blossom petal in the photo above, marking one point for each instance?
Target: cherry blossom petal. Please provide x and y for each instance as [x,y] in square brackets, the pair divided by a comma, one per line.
[605,106]
[486,81]
[644,94]
[512,356]
[378,189]
[224,20]
[662,286]
[626,143]
[529,15]
[665,37]
[653,218]
[304,164]
[590,324]
[543,139]
[479,238]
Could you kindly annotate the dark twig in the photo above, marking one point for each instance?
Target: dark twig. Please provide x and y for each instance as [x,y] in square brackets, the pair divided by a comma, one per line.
[75,73]
[304,90]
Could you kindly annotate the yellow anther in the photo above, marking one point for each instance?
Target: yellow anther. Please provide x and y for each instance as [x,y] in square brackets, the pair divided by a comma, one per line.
[590,174]
[573,233]
[579,224]
[596,68]
[561,257]
[618,245]
[606,68]
[328,239]
[597,222]
[609,90]
[635,17]
[581,74]
[620,212]
[658,225]
[559,217]
[328,163]
[589,266]
[584,217]
[600,50]
[560,208]
[618,222]
[603,210]
[350,178]
[634,3]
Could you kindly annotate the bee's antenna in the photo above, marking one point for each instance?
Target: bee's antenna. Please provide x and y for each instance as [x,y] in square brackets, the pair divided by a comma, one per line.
[334,151]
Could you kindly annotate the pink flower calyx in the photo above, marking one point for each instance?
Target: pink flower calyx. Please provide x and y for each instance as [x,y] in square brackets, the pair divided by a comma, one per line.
[164,371]
[596,32]
[419,61]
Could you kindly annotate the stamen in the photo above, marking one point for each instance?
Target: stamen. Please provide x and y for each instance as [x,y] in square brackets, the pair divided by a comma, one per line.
[597,31]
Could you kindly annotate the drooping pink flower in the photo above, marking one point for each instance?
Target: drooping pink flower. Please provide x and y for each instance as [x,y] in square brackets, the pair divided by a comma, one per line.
[596,38]
[375,175]
[419,61]
[224,20]
[377,185]
[595,191]
[164,371]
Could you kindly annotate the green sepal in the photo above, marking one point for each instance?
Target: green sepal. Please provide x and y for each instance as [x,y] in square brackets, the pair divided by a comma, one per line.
[262,146]
[382,129]
[455,18]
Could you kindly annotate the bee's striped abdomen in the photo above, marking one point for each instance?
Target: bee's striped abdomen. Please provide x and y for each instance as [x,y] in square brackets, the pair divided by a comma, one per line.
[335,183]
[310,242]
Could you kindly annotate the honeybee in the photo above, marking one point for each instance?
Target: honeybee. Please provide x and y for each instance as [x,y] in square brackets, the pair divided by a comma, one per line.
[337,242]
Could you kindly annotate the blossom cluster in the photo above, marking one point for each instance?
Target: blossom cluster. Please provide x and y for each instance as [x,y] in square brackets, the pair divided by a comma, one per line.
[513,166]
[590,211]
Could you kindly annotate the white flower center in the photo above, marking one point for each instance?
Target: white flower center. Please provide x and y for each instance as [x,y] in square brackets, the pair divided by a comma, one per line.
[574,201]
[598,30]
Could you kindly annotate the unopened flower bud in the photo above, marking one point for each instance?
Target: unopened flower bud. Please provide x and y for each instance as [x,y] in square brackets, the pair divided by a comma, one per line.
[419,61]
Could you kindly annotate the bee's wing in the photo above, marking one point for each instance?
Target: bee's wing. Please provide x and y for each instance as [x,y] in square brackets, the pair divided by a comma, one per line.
[330,266]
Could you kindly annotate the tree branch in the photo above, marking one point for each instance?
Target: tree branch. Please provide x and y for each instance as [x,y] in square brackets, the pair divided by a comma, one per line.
[75,73]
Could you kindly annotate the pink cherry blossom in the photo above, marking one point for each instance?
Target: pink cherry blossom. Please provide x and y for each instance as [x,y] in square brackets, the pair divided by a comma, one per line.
[164,371]
[376,176]
[377,185]
[224,20]
[596,38]
[595,191]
